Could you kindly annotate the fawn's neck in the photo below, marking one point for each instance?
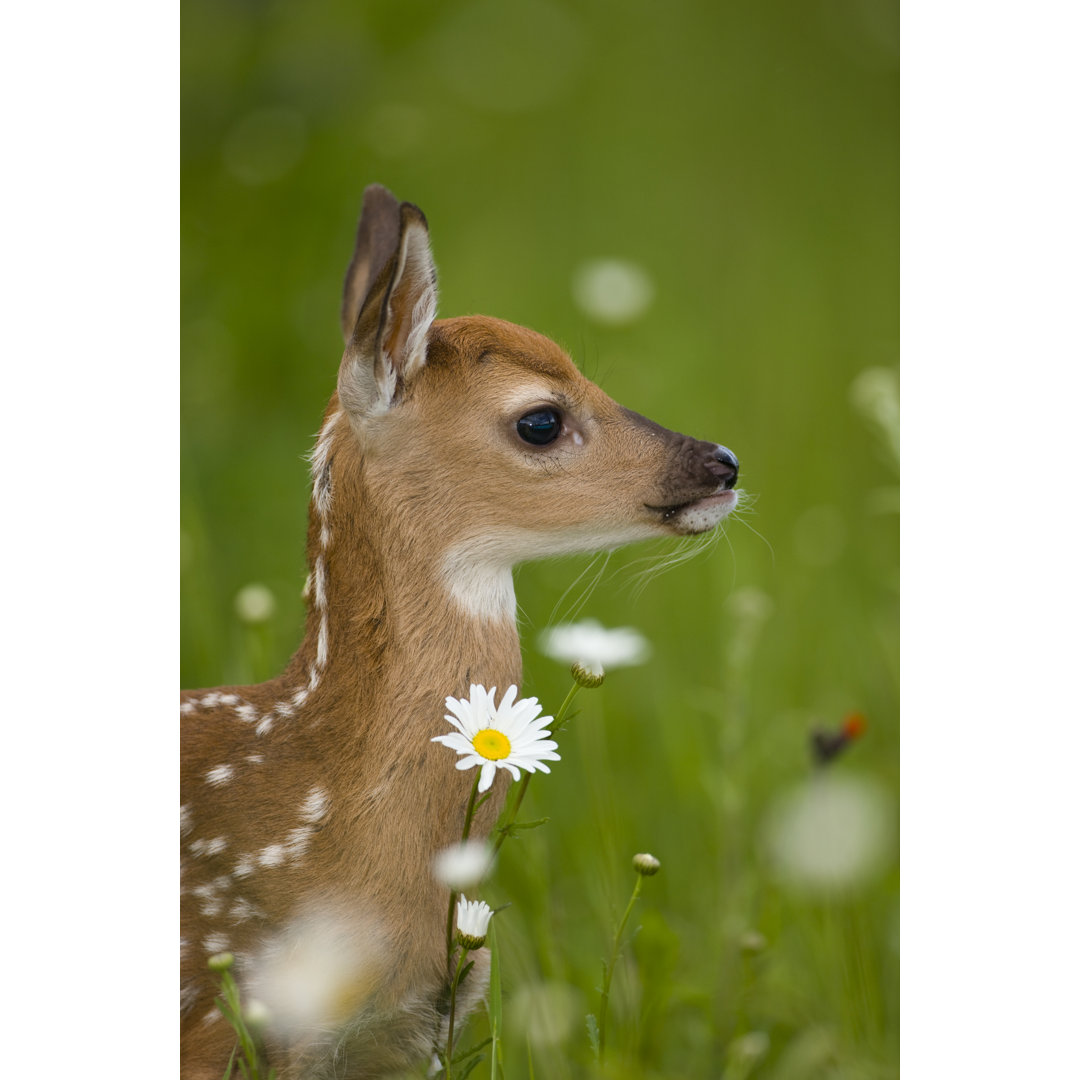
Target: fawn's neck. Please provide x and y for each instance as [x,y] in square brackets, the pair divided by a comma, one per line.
[387,640]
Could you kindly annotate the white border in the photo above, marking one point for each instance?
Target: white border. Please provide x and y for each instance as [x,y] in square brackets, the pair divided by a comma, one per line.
[990,553]
[90,483]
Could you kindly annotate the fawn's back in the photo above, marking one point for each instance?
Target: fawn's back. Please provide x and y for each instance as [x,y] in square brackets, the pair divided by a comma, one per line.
[313,803]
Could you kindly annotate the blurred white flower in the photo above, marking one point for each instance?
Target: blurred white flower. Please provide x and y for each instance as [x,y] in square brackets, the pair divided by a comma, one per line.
[473,917]
[256,1014]
[511,737]
[546,1011]
[745,1052]
[833,832]
[875,393]
[461,866]
[612,291]
[593,646]
[317,973]
[254,603]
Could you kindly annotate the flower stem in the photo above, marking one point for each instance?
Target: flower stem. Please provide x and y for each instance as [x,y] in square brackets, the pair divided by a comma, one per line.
[453,1002]
[560,716]
[509,818]
[469,811]
[609,968]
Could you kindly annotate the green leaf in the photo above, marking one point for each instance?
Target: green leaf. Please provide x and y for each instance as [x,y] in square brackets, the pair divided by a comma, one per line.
[594,1035]
[232,1058]
[515,827]
[495,1004]
[530,824]
[472,1050]
[472,1065]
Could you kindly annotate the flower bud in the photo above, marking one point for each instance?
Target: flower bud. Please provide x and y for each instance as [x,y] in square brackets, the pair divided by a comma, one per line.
[473,917]
[221,961]
[588,677]
[646,865]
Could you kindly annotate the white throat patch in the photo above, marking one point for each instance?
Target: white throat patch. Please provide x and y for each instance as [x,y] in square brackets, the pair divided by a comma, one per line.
[481,588]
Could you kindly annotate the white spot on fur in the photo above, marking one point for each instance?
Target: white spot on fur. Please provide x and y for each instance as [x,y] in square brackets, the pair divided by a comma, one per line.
[272,855]
[187,707]
[324,536]
[189,994]
[324,644]
[296,843]
[245,866]
[208,701]
[265,724]
[300,697]
[211,1016]
[208,847]
[220,774]
[248,713]
[256,759]
[242,910]
[229,699]
[313,808]
[322,489]
[215,943]
[186,824]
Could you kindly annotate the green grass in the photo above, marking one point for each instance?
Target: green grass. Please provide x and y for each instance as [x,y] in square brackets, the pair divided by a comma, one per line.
[745,156]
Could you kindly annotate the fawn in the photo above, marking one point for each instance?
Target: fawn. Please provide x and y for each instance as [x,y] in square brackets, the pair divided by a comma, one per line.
[312,804]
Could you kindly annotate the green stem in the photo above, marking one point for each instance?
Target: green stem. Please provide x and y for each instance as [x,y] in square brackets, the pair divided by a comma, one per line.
[609,969]
[508,819]
[469,811]
[560,716]
[453,1003]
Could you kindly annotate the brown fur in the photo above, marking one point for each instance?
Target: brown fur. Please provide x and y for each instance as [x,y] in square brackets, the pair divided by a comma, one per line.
[440,467]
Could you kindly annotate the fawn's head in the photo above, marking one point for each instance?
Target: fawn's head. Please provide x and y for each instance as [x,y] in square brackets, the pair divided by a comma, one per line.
[485,436]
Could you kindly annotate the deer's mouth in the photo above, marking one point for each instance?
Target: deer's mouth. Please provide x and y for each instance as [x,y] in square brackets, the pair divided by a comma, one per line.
[697,515]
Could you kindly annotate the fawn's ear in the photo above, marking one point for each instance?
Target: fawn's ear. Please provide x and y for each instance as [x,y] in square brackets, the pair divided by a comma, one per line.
[376,242]
[388,343]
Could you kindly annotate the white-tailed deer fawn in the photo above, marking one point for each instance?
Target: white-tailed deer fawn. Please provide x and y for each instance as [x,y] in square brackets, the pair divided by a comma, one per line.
[313,803]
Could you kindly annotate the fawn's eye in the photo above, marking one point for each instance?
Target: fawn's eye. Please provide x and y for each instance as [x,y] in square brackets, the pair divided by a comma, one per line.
[540,427]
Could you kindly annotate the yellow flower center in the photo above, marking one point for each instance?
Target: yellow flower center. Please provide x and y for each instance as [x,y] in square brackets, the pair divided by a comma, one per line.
[492,744]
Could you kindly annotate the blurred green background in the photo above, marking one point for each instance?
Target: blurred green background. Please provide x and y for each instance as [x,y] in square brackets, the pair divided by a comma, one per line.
[738,162]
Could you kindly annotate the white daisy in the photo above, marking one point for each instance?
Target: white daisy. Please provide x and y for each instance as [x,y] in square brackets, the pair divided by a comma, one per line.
[473,917]
[593,646]
[511,736]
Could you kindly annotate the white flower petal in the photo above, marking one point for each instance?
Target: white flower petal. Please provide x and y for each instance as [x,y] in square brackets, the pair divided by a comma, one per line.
[519,721]
[594,646]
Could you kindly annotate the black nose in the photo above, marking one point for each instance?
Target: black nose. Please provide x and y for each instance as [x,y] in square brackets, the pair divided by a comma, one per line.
[725,467]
